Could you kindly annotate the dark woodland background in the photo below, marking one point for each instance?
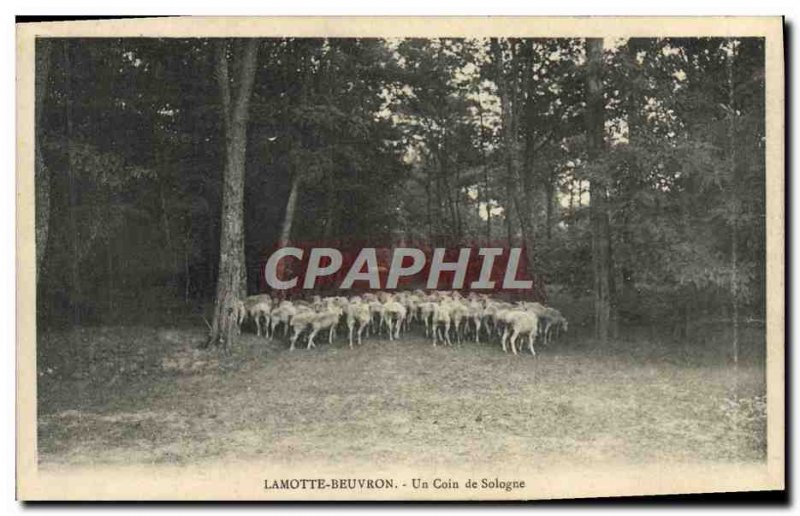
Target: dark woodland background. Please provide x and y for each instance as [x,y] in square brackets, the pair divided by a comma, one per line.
[632,171]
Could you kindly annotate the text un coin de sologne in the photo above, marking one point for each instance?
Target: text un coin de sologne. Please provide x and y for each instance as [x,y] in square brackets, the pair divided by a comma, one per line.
[389,483]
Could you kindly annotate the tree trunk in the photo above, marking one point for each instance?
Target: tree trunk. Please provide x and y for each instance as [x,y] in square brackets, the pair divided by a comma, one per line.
[457,192]
[526,114]
[428,216]
[444,175]
[291,205]
[509,105]
[595,129]
[330,207]
[235,110]
[210,270]
[734,225]
[485,195]
[72,187]
[571,201]
[438,197]
[41,176]
[166,226]
[288,222]
[550,194]
[735,296]
[186,278]
[635,104]
[507,214]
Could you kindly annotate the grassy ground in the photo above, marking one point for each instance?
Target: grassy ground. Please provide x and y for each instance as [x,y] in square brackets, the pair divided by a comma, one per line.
[142,395]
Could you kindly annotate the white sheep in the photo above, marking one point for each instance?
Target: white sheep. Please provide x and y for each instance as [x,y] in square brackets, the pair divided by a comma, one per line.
[426,309]
[299,323]
[552,320]
[283,314]
[411,302]
[394,314]
[327,319]
[240,313]
[357,313]
[438,312]
[258,309]
[475,314]
[376,309]
[441,317]
[459,314]
[490,313]
[520,322]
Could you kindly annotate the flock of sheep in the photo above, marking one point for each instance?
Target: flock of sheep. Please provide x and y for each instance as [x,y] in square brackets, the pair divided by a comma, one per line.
[445,315]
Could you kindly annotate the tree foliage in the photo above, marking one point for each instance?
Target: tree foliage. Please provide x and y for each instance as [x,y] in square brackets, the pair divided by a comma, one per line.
[445,140]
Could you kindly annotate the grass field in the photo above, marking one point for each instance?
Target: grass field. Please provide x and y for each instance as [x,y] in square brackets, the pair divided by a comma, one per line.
[127,395]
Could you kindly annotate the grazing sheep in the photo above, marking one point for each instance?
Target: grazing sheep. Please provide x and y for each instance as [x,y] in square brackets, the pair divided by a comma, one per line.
[328,319]
[520,322]
[258,309]
[475,314]
[458,314]
[426,310]
[536,308]
[490,313]
[283,314]
[552,321]
[299,323]
[357,313]
[399,312]
[376,309]
[240,312]
[394,314]
[411,302]
[441,316]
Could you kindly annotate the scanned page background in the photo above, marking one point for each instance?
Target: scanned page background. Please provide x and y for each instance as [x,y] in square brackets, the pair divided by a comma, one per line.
[245,480]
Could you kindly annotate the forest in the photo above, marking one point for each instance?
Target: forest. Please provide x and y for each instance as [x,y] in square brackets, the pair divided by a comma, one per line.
[632,171]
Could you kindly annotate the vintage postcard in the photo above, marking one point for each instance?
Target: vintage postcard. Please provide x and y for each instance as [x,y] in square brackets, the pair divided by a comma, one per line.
[399,258]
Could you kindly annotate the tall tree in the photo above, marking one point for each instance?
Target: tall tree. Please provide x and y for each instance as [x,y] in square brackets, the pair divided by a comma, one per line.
[518,186]
[731,47]
[600,234]
[235,93]
[41,176]
[291,206]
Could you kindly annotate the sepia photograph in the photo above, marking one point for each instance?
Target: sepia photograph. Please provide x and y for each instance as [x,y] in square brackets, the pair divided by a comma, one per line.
[399,258]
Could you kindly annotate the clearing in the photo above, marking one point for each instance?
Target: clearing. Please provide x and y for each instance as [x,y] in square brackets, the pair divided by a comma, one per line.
[139,395]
